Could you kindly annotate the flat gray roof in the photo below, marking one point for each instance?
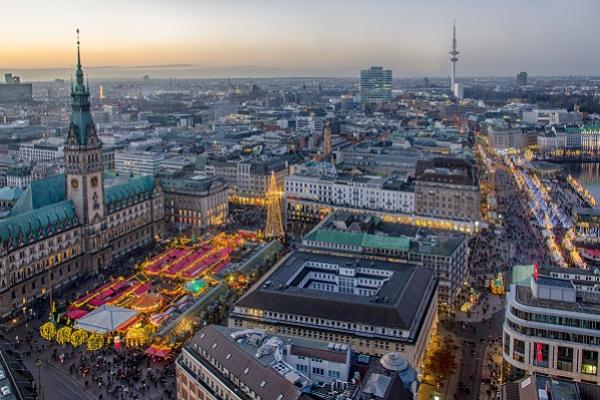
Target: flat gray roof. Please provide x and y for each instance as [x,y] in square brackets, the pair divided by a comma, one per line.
[396,304]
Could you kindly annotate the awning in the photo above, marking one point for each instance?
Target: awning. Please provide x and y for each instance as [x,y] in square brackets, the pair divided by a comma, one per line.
[154,351]
[120,285]
[106,319]
[96,302]
[142,289]
[107,292]
[150,351]
[76,313]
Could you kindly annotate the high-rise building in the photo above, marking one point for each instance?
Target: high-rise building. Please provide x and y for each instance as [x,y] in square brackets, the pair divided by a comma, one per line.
[522,78]
[13,91]
[375,85]
[458,90]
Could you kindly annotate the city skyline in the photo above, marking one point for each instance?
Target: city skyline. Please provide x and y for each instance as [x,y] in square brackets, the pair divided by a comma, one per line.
[204,39]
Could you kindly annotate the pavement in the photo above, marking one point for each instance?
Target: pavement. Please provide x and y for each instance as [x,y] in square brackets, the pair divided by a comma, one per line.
[484,309]
[57,384]
[492,368]
[473,338]
[54,378]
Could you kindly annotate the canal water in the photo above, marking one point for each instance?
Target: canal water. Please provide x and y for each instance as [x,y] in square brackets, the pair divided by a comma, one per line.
[586,173]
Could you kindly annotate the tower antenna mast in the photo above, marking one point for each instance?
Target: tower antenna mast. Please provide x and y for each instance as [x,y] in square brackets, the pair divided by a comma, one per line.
[454,53]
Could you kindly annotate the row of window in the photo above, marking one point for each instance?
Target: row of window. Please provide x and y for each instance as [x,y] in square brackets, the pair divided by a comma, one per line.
[556,319]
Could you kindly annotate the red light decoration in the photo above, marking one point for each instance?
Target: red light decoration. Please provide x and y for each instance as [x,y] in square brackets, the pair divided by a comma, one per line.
[539,355]
[536,271]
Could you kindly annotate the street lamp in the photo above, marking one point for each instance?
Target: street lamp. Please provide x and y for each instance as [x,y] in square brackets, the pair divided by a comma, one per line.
[38,363]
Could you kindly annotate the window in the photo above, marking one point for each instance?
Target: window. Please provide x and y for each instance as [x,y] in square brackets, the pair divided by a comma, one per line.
[302,368]
[318,371]
[333,374]
[589,362]
[519,350]
[564,359]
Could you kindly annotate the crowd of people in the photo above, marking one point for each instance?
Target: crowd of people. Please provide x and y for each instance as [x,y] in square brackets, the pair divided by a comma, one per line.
[515,242]
[108,373]
[126,374]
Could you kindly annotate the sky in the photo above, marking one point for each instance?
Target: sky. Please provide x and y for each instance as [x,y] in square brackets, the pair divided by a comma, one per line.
[239,38]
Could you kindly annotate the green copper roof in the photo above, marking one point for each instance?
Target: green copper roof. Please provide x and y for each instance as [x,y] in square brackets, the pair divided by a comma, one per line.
[119,195]
[577,129]
[41,193]
[81,117]
[385,242]
[360,239]
[521,274]
[33,225]
[10,194]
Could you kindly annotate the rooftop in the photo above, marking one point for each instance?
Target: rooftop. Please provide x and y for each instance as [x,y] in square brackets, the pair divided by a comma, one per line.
[396,299]
[456,171]
[41,193]
[219,345]
[525,296]
[368,231]
[119,191]
[193,185]
[41,222]
[541,387]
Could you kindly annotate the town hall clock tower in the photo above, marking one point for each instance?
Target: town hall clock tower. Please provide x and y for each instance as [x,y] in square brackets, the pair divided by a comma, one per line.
[84,167]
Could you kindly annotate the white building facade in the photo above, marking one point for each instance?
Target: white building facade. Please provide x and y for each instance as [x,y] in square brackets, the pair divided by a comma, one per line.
[137,162]
[552,327]
[307,193]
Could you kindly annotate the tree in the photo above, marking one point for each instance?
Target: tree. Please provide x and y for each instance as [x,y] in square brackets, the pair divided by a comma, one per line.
[442,362]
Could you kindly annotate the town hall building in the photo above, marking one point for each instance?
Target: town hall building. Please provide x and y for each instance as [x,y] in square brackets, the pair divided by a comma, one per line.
[77,223]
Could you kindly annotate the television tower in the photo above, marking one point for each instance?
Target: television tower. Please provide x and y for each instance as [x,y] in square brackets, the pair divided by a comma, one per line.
[453,59]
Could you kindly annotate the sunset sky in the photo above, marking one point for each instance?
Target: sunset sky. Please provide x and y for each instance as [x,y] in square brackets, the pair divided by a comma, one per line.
[305,37]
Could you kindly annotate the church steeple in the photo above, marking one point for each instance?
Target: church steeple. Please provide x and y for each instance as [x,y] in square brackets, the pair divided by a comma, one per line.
[82,130]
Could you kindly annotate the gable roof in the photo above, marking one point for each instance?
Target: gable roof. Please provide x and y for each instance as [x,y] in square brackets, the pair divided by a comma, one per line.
[261,379]
[33,225]
[41,193]
[119,195]
[10,194]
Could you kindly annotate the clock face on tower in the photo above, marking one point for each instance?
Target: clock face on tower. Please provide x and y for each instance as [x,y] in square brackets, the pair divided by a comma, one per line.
[74,183]
[94,181]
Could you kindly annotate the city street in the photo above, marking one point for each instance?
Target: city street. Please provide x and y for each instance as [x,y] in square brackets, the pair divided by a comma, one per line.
[106,374]
[473,337]
[56,384]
